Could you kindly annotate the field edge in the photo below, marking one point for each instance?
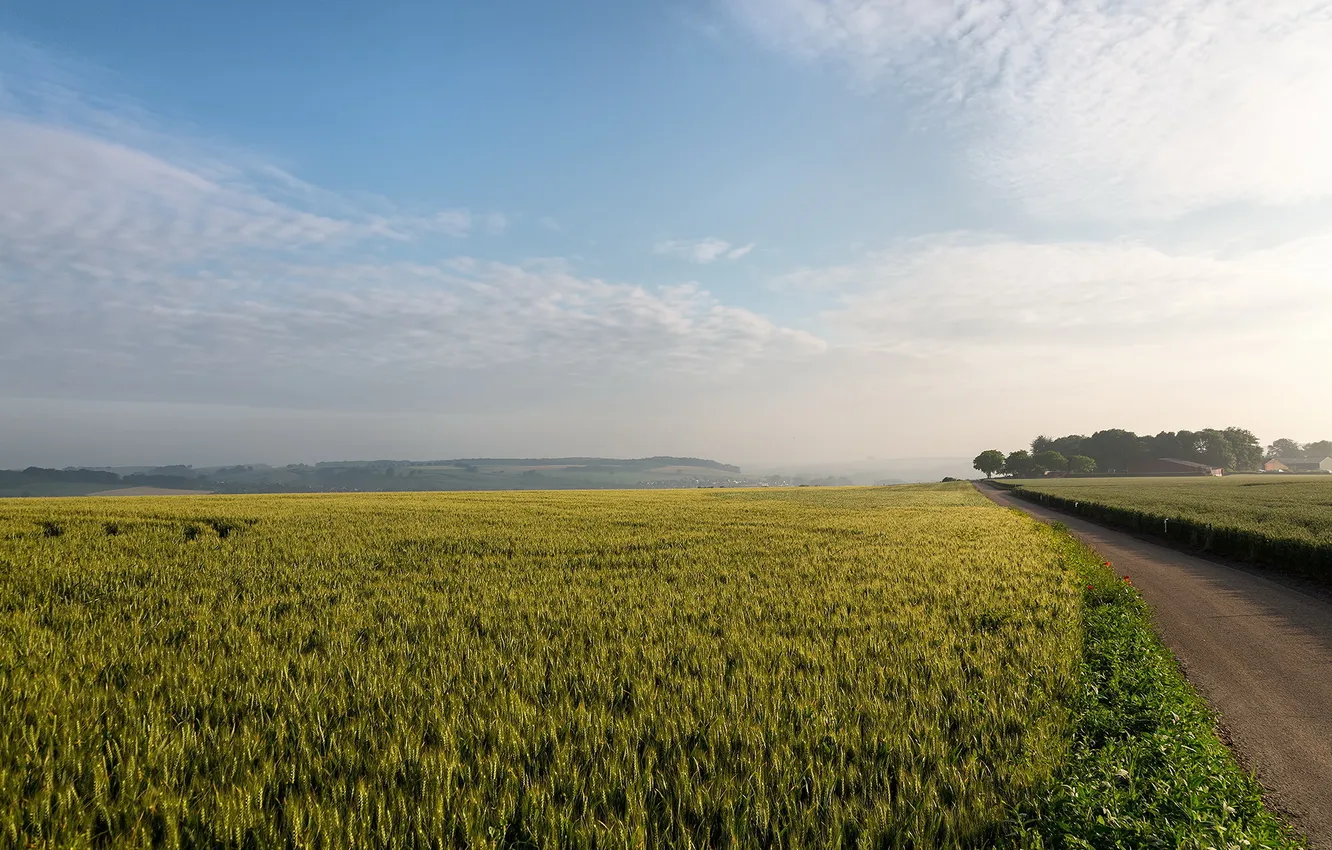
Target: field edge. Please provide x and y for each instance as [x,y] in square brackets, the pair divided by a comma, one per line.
[1282,555]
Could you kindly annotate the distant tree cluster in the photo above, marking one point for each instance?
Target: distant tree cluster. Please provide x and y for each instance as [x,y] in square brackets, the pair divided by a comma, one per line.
[1113,450]
[1288,449]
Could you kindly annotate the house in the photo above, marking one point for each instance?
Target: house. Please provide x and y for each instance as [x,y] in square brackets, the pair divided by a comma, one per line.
[1275,465]
[1308,465]
[1172,466]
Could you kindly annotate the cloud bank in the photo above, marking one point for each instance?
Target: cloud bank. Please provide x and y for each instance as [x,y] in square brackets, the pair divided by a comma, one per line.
[1104,109]
[982,293]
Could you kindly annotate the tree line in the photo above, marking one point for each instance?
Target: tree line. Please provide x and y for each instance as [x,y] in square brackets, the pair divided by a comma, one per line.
[1114,450]
[1288,449]
[111,480]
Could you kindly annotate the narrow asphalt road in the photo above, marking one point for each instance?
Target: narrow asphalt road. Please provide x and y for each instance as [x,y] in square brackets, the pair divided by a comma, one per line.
[1259,650]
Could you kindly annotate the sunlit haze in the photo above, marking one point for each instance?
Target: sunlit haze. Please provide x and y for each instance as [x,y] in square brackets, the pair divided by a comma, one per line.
[761,231]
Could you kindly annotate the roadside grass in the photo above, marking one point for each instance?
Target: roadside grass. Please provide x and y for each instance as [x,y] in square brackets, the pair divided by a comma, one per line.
[1146,767]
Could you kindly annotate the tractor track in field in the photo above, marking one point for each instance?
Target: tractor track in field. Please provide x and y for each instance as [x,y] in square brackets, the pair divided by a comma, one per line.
[1258,648]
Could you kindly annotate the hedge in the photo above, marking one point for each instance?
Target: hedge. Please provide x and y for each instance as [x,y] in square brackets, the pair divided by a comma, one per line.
[1295,556]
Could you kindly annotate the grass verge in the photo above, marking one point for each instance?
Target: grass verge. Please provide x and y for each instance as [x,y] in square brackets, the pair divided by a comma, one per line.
[1146,767]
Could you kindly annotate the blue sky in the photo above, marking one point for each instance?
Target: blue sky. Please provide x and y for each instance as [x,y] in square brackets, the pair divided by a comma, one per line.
[776,230]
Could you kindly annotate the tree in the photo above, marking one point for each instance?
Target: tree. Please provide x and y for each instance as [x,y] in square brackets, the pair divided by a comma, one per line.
[1318,450]
[1215,449]
[1245,447]
[1181,444]
[1285,447]
[989,462]
[1041,444]
[1066,446]
[1019,464]
[1113,449]
[1050,461]
[1081,463]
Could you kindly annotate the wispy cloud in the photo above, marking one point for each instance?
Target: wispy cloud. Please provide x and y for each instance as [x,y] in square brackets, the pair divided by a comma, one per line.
[72,199]
[969,291]
[456,223]
[703,251]
[83,170]
[136,265]
[1100,108]
[353,333]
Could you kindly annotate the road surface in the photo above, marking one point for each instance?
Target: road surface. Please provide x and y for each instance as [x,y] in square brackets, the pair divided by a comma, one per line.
[1258,649]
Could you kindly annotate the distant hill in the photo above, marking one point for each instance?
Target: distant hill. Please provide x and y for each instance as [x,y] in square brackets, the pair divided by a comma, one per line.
[567,473]
[458,474]
[37,481]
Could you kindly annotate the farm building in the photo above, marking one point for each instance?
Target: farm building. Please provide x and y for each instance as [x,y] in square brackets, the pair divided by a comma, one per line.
[1172,466]
[1308,465]
[1275,465]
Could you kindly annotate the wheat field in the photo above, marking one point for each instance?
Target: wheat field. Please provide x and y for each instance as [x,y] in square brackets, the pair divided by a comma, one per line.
[863,667]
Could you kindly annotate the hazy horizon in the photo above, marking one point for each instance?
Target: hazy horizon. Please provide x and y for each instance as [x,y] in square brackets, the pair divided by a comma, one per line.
[137,438]
[767,232]
[133,441]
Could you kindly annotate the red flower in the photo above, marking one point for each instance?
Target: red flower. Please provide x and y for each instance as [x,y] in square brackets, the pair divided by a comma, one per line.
[1127,579]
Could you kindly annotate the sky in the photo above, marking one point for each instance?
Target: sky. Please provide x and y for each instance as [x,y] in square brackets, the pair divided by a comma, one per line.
[763,231]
